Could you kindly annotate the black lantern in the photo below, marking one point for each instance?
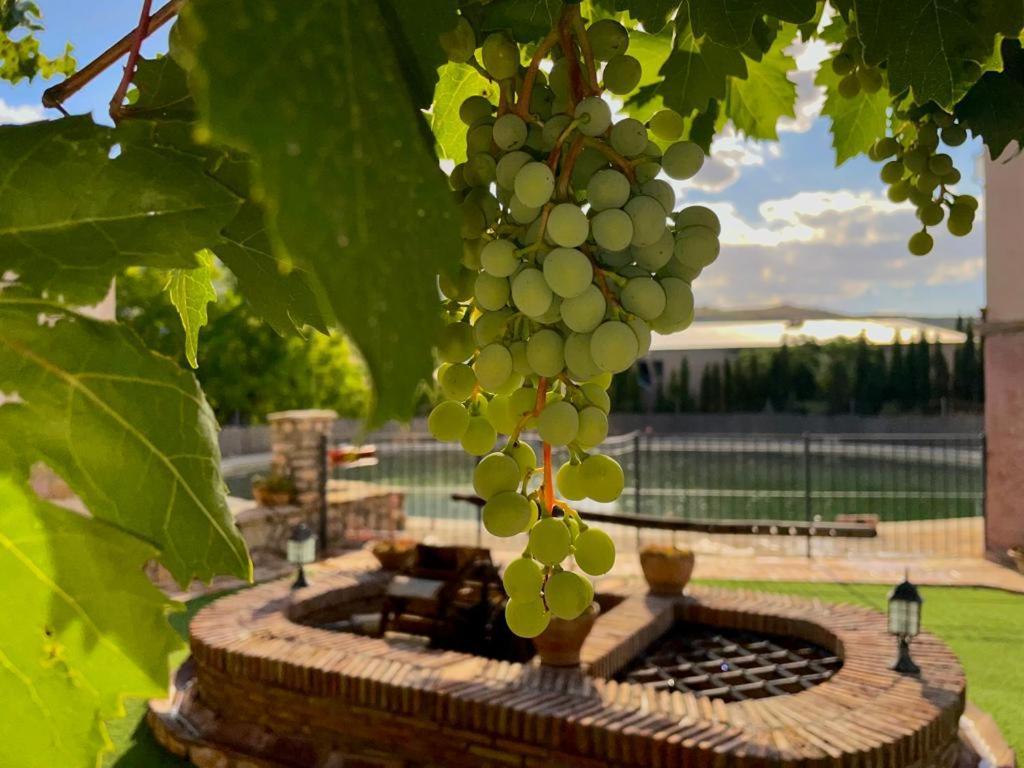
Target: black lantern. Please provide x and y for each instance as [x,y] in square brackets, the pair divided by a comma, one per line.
[301,551]
[905,623]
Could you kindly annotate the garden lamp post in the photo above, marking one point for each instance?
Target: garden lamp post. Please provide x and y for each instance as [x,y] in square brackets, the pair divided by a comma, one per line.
[905,622]
[301,551]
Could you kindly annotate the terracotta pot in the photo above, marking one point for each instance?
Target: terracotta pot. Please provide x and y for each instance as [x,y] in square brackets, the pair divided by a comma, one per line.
[667,570]
[268,498]
[559,645]
[1017,555]
[394,555]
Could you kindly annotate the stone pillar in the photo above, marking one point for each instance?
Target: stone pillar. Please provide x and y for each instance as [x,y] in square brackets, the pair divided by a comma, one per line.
[1004,355]
[295,443]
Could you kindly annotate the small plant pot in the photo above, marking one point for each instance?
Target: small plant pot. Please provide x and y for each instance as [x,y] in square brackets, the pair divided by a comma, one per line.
[1017,555]
[559,645]
[266,497]
[395,555]
[667,569]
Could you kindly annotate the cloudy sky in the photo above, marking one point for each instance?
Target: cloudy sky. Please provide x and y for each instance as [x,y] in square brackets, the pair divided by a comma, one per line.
[796,229]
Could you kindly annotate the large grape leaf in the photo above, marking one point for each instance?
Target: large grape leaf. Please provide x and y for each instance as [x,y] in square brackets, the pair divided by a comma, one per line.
[524,19]
[190,290]
[855,123]
[415,28]
[71,217]
[936,48]
[162,92]
[351,188]
[127,429]
[653,14]
[83,628]
[731,22]
[457,83]
[697,72]
[755,103]
[994,107]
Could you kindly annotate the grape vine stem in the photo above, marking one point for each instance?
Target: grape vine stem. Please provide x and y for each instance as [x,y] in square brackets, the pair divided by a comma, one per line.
[523,102]
[117,100]
[615,157]
[588,55]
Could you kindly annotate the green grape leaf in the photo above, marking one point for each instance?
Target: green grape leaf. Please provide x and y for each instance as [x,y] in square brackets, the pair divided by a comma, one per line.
[457,83]
[415,28]
[994,107]
[526,20]
[653,14]
[731,22]
[162,92]
[756,103]
[127,429]
[69,234]
[85,629]
[855,123]
[936,48]
[190,290]
[350,185]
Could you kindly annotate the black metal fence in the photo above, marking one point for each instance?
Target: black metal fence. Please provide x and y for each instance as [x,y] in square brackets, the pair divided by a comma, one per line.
[923,494]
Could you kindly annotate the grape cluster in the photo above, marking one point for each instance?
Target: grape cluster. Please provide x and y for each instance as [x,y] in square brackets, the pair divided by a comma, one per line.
[916,171]
[857,76]
[573,254]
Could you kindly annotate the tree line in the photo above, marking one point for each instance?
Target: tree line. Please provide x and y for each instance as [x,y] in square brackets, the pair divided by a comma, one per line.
[842,376]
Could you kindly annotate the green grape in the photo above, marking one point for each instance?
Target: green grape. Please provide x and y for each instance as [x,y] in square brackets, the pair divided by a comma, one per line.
[870,79]
[498,258]
[478,140]
[920,243]
[682,160]
[471,254]
[459,43]
[602,477]
[930,214]
[479,436]
[628,137]
[926,181]
[567,271]
[512,383]
[545,352]
[499,413]
[490,327]
[534,184]
[954,135]
[500,55]
[567,225]
[524,456]
[522,401]
[655,256]
[473,222]
[643,297]
[448,421]
[849,86]
[892,172]
[607,189]
[667,124]
[475,109]
[615,259]
[457,382]
[622,74]
[597,395]
[612,229]
[496,472]
[558,79]
[899,192]
[523,214]
[594,114]
[506,514]
[940,164]
[951,178]
[527,618]
[573,525]
[589,162]
[959,224]
[928,136]
[919,197]
[685,272]
[569,482]
[646,171]
[697,246]
[583,313]
[558,423]
[608,38]
[613,346]
[593,427]
[490,292]
[843,64]
[642,331]
[552,130]
[568,594]
[648,220]
[916,160]
[523,579]
[661,191]
[530,292]
[457,287]
[457,178]
[487,203]
[969,201]
[541,99]
[455,343]
[678,312]
[885,147]
[698,215]
[550,541]
[508,166]
[595,552]
[509,132]
[577,357]
[520,363]
[493,365]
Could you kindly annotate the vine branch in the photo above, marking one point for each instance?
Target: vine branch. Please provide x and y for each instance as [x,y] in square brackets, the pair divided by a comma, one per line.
[141,31]
[523,102]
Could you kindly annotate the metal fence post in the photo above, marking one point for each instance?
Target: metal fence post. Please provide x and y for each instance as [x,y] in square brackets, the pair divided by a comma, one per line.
[807,488]
[322,482]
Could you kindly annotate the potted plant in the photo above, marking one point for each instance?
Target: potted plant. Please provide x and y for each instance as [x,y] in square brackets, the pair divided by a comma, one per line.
[273,490]
[1017,555]
[394,554]
[666,568]
[559,645]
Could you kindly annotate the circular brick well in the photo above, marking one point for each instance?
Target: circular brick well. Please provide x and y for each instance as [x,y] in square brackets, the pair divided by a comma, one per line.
[263,690]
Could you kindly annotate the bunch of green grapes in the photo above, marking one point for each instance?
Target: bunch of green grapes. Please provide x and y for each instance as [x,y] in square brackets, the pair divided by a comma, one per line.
[573,254]
[857,76]
[916,171]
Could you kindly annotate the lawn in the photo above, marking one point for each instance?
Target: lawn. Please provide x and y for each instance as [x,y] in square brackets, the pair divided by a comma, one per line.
[983,626]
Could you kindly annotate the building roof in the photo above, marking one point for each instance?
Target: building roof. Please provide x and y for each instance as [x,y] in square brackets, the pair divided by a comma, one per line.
[717,334]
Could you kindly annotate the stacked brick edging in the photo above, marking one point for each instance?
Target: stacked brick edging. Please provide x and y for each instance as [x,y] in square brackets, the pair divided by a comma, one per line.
[293,695]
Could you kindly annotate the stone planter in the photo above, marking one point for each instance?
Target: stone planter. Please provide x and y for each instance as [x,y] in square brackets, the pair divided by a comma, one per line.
[1017,555]
[667,569]
[394,555]
[267,497]
[559,645]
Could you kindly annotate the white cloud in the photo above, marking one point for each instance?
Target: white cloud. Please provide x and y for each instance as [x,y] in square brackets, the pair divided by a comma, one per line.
[961,272]
[729,154]
[19,113]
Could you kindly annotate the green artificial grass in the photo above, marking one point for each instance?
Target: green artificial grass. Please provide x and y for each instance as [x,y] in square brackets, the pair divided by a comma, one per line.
[985,627]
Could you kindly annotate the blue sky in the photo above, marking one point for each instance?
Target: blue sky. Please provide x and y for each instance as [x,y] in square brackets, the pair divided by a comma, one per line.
[796,229]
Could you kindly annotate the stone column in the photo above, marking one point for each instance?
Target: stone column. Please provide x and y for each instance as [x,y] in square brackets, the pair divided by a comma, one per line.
[295,443]
[1004,355]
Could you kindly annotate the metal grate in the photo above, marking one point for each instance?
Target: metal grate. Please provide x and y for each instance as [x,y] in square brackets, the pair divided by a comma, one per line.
[731,665]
